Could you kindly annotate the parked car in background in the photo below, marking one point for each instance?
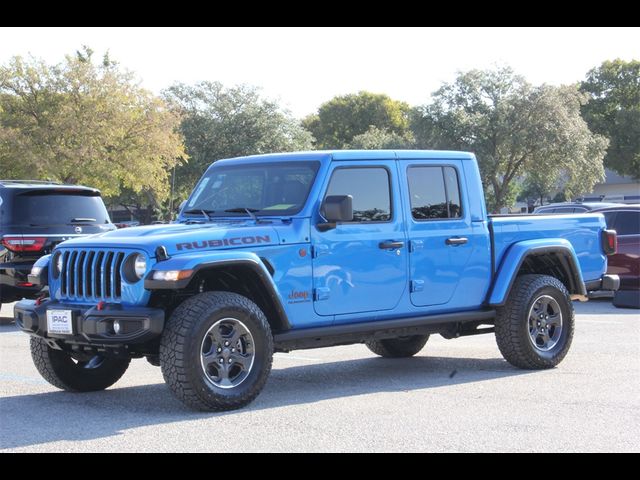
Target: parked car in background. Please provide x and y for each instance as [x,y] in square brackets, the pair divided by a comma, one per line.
[35,217]
[629,199]
[625,220]
[572,207]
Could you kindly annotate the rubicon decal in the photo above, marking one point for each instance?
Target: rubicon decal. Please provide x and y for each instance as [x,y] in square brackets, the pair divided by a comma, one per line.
[225,242]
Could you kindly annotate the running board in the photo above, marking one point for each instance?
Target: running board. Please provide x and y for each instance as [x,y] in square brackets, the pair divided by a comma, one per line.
[347,334]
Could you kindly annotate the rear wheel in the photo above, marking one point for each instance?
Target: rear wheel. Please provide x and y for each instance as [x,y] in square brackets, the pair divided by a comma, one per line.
[87,374]
[535,327]
[398,347]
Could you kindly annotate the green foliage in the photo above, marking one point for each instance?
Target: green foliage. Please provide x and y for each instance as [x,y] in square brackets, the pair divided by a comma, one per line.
[377,138]
[516,130]
[78,122]
[614,111]
[340,120]
[220,122]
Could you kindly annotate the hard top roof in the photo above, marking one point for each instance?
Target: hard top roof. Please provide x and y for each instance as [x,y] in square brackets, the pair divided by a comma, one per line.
[356,155]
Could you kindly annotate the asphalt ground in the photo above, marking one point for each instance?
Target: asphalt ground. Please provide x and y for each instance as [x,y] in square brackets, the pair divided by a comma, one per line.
[456,395]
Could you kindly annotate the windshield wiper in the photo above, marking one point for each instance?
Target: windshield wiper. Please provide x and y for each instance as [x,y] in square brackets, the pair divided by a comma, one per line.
[248,211]
[82,220]
[205,213]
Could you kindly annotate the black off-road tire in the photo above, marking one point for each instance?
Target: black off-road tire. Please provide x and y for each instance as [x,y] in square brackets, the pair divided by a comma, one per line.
[59,369]
[398,347]
[182,344]
[512,323]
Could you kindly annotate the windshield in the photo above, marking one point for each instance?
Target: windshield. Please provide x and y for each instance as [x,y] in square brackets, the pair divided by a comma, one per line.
[260,188]
[50,207]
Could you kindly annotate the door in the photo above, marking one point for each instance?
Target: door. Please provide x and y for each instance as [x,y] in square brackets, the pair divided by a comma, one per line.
[361,266]
[439,229]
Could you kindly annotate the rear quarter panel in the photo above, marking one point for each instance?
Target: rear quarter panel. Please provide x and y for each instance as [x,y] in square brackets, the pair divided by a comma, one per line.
[582,231]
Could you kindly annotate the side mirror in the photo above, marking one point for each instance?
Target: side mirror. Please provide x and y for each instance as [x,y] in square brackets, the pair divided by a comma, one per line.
[182,204]
[336,208]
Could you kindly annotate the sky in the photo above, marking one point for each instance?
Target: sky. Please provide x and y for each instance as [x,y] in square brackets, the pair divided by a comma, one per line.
[303,67]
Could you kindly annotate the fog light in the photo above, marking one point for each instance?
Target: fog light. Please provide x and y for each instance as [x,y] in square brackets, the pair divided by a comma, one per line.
[116,326]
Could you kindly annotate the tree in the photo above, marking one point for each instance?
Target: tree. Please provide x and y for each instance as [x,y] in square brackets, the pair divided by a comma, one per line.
[614,111]
[377,138]
[342,118]
[220,122]
[515,129]
[88,123]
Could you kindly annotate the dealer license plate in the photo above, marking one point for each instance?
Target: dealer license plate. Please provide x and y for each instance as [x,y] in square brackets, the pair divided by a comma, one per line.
[60,321]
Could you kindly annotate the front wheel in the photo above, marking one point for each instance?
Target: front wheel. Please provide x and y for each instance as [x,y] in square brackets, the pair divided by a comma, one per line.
[535,327]
[86,374]
[216,351]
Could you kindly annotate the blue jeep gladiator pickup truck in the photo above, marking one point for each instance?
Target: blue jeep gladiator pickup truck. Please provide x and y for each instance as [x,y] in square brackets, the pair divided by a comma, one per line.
[304,250]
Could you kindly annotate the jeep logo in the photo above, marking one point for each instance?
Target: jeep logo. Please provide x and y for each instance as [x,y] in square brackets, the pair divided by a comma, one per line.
[225,242]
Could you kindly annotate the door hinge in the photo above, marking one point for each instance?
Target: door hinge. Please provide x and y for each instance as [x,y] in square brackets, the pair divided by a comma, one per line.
[321,293]
[416,245]
[319,250]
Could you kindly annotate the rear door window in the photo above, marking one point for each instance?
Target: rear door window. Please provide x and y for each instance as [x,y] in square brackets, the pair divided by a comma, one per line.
[58,207]
[434,193]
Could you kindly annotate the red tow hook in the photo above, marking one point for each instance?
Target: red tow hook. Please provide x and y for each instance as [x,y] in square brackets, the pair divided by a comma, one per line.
[100,305]
[40,299]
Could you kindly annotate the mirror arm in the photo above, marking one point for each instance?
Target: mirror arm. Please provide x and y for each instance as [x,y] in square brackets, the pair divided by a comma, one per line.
[326,226]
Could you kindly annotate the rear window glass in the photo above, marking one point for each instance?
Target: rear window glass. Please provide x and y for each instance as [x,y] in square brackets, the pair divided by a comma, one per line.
[627,223]
[57,208]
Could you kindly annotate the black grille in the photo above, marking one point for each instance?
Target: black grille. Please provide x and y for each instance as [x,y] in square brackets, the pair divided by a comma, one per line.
[91,275]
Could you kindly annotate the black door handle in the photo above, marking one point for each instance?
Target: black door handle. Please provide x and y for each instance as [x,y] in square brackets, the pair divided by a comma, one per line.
[456,241]
[390,245]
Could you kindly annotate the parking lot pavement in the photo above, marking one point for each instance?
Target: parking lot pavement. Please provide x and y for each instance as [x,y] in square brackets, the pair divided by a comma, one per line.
[456,395]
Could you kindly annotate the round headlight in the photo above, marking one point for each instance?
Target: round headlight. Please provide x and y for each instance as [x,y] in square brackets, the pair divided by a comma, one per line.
[140,265]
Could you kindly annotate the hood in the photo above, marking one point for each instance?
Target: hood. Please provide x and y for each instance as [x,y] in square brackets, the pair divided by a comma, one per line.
[181,238]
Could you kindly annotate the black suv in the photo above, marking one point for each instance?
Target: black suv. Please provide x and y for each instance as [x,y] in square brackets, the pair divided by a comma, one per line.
[34,218]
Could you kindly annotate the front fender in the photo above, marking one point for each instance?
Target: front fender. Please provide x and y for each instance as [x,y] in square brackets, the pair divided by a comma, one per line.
[516,255]
[39,274]
[195,262]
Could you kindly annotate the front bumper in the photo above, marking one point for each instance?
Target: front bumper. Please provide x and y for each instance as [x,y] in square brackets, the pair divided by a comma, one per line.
[92,326]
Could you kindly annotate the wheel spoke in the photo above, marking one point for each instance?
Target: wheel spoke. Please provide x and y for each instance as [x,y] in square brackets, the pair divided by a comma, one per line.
[545,338]
[216,336]
[235,336]
[223,371]
[243,360]
[544,305]
[208,359]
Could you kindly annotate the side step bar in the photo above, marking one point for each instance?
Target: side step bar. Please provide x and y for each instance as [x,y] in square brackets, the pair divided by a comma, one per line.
[317,337]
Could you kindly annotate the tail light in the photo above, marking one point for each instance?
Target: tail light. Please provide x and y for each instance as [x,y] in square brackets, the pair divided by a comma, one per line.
[20,244]
[609,242]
